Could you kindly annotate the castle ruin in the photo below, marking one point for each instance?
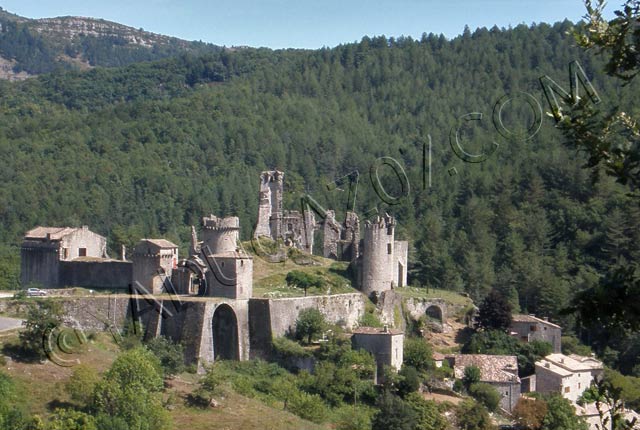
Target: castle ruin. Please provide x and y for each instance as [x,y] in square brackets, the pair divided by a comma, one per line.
[210,307]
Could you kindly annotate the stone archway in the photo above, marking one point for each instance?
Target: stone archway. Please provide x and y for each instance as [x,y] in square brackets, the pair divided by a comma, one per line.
[434,312]
[224,330]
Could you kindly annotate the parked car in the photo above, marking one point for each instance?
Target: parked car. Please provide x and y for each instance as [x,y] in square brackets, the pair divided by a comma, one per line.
[36,292]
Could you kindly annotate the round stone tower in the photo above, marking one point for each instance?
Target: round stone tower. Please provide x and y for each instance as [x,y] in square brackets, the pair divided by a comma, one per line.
[377,256]
[220,235]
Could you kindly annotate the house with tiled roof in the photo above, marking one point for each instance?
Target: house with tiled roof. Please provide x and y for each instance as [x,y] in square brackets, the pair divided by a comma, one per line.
[500,371]
[55,257]
[566,375]
[528,328]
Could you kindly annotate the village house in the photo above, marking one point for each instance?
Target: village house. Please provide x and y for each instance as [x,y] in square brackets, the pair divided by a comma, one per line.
[568,375]
[56,257]
[385,344]
[528,328]
[500,371]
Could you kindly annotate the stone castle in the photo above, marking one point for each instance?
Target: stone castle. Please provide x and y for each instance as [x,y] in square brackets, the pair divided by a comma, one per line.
[206,300]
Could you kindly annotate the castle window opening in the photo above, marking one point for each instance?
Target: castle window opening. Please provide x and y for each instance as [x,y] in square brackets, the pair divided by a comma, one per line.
[82,252]
[388,248]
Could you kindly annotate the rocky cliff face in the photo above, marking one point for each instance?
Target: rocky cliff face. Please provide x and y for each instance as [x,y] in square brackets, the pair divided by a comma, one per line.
[67,29]
[29,47]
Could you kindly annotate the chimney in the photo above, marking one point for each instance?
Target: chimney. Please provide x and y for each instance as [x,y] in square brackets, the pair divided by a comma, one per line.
[386,329]
[546,319]
[123,253]
[85,227]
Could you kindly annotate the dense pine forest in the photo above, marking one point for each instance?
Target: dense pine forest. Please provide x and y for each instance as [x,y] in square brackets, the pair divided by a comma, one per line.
[147,149]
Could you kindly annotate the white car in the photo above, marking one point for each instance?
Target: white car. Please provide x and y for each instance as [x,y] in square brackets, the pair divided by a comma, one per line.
[36,292]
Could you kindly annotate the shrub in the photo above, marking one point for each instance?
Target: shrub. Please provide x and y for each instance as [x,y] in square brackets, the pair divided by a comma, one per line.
[485,394]
[428,414]
[81,384]
[472,416]
[170,354]
[471,376]
[417,353]
[393,413]
[285,348]
[353,418]
[310,323]
[308,406]
[42,319]
[68,419]
[410,380]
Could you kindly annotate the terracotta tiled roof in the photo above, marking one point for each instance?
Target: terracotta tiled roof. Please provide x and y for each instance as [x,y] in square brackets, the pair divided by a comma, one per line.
[161,243]
[493,368]
[55,233]
[438,357]
[532,319]
[565,364]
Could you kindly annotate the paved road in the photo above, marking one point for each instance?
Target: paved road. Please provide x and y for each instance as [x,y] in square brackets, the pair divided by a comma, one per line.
[9,323]
[3,295]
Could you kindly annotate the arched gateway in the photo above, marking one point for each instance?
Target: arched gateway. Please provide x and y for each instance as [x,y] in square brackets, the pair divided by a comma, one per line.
[224,325]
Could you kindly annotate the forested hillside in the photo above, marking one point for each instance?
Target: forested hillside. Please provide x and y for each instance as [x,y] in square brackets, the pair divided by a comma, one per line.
[37,46]
[148,149]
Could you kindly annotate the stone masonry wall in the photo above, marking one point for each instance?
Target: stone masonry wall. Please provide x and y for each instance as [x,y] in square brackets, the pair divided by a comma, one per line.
[344,309]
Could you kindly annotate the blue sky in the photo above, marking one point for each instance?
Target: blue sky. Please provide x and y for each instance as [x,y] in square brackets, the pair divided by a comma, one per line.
[303,23]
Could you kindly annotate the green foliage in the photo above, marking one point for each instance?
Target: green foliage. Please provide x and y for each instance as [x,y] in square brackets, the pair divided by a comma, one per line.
[428,414]
[9,268]
[561,415]
[308,406]
[81,384]
[42,319]
[310,323]
[486,394]
[12,416]
[209,386]
[130,390]
[370,318]
[353,418]
[572,345]
[495,312]
[285,348]
[409,382]
[471,376]
[473,416]
[418,354]
[304,280]
[170,354]
[393,414]
[132,335]
[496,342]
[69,419]
[613,393]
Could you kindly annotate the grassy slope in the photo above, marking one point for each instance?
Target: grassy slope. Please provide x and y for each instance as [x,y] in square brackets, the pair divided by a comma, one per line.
[43,385]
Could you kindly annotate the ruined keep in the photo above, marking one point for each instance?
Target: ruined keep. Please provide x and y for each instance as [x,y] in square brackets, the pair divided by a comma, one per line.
[384,260]
[292,227]
[341,241]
